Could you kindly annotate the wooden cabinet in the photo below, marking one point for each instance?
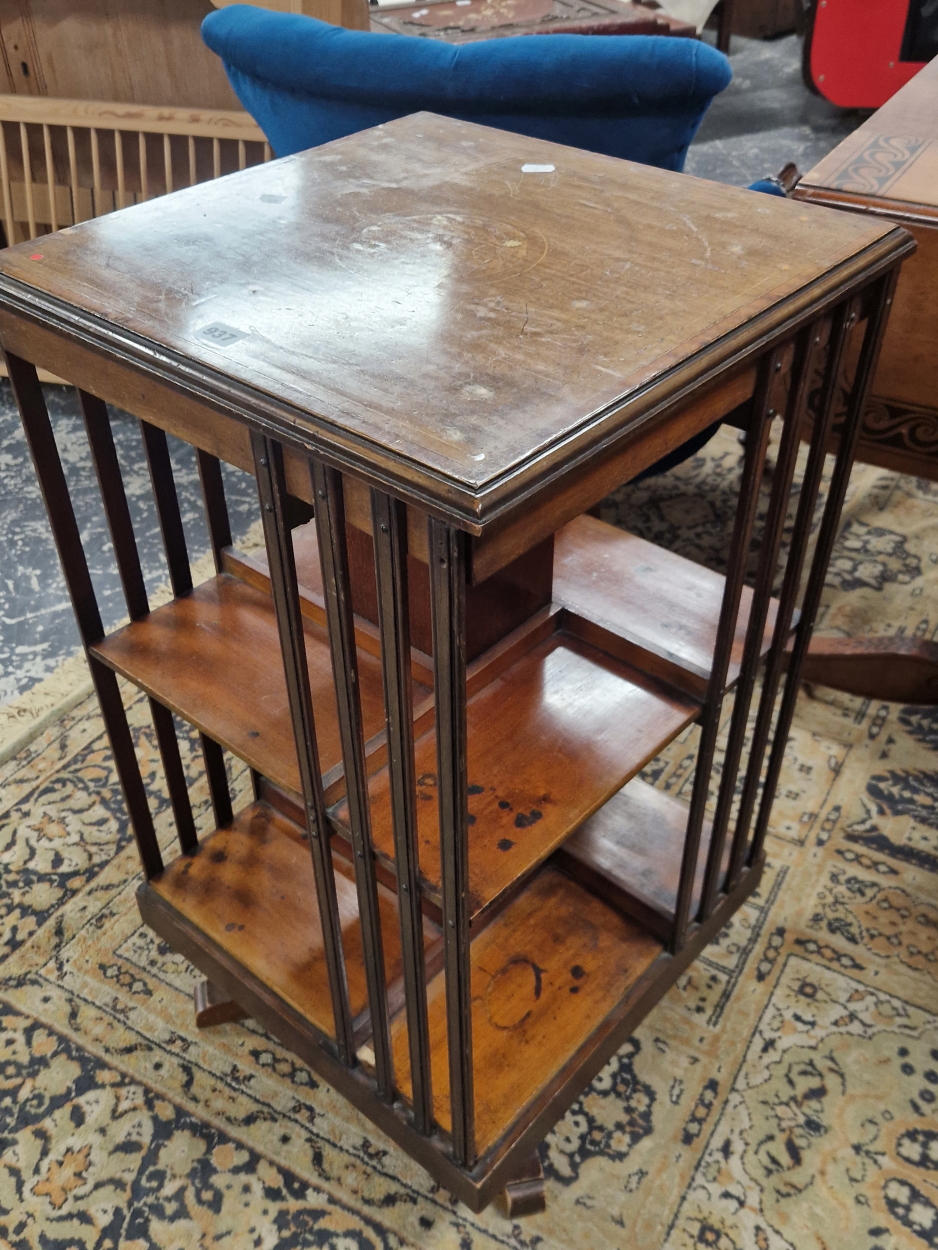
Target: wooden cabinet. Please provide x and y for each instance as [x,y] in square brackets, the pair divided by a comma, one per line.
[452,894]
[888,170]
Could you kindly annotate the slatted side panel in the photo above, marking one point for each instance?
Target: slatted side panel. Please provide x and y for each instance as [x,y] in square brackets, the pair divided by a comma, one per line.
[63,161]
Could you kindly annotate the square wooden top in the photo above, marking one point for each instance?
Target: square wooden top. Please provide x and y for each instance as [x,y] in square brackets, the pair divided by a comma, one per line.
[457,310]
[893,156]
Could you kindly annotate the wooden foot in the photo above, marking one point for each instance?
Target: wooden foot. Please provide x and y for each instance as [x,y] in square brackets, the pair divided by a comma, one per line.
[897,670]
[525,1194]
[212,1007]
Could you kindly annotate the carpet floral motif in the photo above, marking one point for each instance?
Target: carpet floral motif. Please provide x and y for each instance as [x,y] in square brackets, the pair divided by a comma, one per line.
[780,1097]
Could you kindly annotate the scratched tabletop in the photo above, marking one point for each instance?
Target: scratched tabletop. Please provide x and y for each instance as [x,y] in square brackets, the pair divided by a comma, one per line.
[459,296]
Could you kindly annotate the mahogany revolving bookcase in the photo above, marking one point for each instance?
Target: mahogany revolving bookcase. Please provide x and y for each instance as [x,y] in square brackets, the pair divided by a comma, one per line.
[436,345]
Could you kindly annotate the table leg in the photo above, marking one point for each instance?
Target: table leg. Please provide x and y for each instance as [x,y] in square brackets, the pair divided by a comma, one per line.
[725,24]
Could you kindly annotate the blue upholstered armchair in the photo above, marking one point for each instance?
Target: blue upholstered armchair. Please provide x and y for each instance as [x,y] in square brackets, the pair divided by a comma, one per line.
[637,97]
[306,82]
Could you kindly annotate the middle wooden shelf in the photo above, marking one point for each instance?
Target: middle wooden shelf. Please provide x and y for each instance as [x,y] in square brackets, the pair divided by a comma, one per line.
[586,692]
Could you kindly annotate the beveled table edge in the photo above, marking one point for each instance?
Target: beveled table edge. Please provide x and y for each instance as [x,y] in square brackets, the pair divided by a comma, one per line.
[904,212]
[517,489]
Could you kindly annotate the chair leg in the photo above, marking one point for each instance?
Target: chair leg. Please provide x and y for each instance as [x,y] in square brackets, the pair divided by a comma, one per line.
[725,24]
[212,1007]
[525,1194]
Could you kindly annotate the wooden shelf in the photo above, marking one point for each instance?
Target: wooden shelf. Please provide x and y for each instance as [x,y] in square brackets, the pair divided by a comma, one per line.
[545,975]
[213,656]
[650,606]
[629,854]
[250,889]
[595,720]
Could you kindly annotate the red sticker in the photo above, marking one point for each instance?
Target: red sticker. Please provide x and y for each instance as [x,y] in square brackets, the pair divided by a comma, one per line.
[36,256]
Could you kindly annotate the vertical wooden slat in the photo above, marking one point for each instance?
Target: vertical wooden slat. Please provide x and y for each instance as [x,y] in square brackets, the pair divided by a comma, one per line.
[791,581]
[116,509]
[193,173]
[757,441]
[268,460]
[448,613]
[11,230]
[119,162]
[167,507]
[268,154]
[50,177]
[242,154]
[337,591]
[95,174]
[390,530]
[180,576]
[28,180]
[168,163]
[216,509]
[73,173]
[761,596]
[216,774]
[48,465]
[219,531]
[117,512]
[176,783]
[849,434]
[216,158]
[142,157]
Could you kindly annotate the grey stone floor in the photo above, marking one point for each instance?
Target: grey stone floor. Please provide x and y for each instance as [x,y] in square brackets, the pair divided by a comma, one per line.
[765,118]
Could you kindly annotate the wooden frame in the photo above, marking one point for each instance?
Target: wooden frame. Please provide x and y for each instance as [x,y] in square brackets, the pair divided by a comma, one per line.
[452,895]
[66,161]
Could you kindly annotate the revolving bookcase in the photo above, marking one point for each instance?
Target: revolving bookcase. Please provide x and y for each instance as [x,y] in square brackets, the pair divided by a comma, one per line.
[452,895]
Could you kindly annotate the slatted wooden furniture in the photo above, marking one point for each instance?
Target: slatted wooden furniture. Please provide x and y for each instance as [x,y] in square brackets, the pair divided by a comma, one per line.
[452,895]
[64,161]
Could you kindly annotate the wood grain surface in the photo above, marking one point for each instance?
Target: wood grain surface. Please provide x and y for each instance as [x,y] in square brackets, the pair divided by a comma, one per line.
[888,169]
[629,854]
[428,309]
[129,51]
[545,974]
[893,155]
[250,888]
[488,19]
[549,740]
[214,658]
[665,606]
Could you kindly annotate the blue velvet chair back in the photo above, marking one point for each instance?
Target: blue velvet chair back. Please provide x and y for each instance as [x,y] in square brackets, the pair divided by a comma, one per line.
[306,82]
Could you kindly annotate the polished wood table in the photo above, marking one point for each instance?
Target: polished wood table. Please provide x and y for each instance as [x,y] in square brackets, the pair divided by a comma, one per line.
[451,894]
[887,170]
[464,21]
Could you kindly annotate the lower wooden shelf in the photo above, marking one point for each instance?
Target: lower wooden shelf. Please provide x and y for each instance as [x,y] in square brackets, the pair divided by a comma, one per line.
[545,975]
[250,889]
[629,853]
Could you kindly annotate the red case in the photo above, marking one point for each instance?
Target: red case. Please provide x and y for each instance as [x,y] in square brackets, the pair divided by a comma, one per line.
[852,52]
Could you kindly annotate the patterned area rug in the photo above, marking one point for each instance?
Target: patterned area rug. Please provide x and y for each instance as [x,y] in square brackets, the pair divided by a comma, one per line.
[783,1094]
